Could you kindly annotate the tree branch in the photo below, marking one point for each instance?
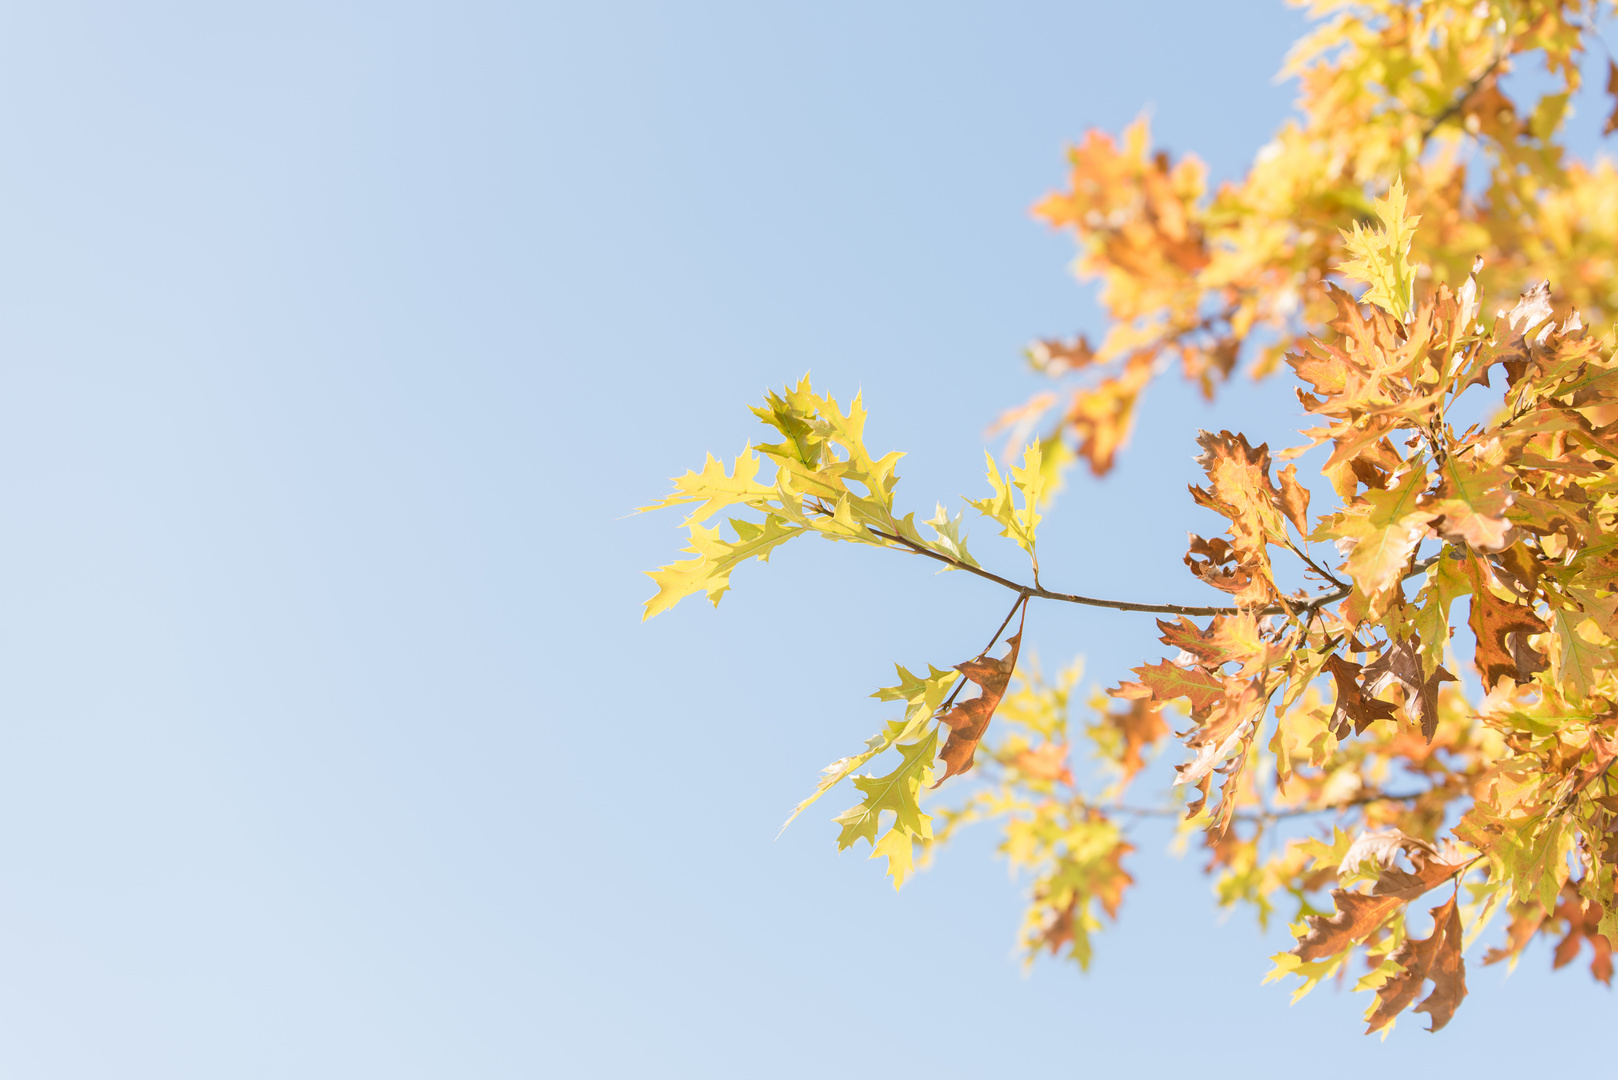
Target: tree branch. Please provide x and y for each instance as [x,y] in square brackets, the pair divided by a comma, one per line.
[1125,605]
[1269,815]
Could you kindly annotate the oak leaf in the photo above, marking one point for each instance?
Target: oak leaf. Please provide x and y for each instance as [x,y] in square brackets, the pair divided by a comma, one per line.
[1122,736]
[1051,356]
[1227,639]
[1494,621]
[1381,847]
[1358,915]
[1402,665]
[1583,918]
[1294,500]
[1526,919]
[1436,958]
[1222,728]
[1382,256]
[1385,527]
[1473,500]
[1028,479]
[1240,488]
[1354,706]
[1430,872]
[1580,660]
[1099,418]
[715,559]
[1047,761]
[1167,681]
[714,489]
[969,720]
[897,792]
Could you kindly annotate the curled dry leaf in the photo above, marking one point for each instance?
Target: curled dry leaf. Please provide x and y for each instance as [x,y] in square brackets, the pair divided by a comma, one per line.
[968,720]
[1294,500]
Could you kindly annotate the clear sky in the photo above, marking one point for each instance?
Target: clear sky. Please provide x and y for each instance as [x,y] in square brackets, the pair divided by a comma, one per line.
[339,339]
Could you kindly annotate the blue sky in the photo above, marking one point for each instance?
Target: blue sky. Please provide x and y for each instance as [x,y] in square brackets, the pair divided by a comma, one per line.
[341,338]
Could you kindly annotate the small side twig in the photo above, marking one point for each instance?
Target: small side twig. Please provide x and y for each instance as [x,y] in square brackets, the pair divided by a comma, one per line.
[1465,95]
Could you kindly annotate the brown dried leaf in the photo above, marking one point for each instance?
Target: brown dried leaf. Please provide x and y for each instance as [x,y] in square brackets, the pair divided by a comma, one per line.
[1357,916]
[1051,356]
[1493,621]
[969,720]
[1230,789]
[1526,920]
[1402,664]
[1294,500]
[1612,88]
[1405,885]
[1214,563]
[1354,705]
[1583,918]
[1437,958]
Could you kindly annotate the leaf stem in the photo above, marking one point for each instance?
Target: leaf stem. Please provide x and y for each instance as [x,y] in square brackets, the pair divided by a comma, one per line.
[1022,602]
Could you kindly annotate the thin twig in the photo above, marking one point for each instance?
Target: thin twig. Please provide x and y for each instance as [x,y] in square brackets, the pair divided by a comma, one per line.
[1268,815]
[1461,99]
[960,683]
[1316,567]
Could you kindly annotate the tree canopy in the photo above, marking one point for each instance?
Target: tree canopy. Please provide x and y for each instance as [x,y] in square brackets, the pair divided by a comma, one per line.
[1392,776]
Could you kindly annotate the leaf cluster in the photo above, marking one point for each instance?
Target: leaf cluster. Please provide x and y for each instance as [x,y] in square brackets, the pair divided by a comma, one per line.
[1352,748]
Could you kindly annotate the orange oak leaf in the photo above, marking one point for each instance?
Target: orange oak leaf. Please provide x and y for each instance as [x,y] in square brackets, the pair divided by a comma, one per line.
[1099,417]
[1168,681]
[1139,727]
[968,720]
[1294,500]
[1221,728]
[1228,638]
[1612,88]
[1526,920]
[1494,621]
[1229,790]
[1357,915]
[1437,958]
[1047,761]
[1240,488]
[1583,918]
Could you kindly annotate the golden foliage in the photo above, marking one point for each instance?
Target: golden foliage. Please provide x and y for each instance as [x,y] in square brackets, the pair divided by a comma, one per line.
[1356,775]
